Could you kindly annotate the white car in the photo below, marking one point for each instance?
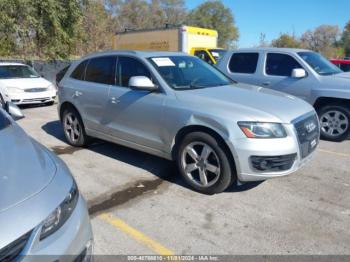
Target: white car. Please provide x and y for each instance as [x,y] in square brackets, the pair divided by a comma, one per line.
[20,84]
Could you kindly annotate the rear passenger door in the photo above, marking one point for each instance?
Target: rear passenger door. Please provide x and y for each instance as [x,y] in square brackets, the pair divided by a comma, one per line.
[277,73]
[243,66]
[91,93]
[134,115]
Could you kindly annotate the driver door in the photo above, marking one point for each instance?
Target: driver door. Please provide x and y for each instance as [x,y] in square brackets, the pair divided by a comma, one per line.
[134,116]
[277,75]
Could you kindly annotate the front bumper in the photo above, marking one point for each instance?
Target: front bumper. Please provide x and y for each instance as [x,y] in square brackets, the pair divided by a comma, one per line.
[32,97]
[71,240]
[243,149]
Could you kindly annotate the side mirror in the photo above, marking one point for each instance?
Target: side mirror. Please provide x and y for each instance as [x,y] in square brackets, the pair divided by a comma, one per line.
[142,83]
[298,73]
[13,111]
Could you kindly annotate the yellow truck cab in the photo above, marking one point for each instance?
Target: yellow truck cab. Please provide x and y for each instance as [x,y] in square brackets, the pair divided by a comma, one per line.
[209,55]
[201,42]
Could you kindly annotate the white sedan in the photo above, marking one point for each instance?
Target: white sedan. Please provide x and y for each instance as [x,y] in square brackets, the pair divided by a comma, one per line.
[20,84]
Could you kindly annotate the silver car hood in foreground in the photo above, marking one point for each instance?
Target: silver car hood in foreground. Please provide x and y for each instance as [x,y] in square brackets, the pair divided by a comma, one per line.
[255,103]
[25,169]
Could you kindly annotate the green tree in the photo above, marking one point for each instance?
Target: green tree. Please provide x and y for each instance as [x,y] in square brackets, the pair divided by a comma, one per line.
[345,39]
[323,39]
[286,40]
[97,28]
[214,15]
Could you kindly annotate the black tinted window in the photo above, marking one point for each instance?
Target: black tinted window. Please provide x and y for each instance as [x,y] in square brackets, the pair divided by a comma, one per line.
[61,74]
[129,67]
[101,70]
[280,65]
[244,63]
[79,71]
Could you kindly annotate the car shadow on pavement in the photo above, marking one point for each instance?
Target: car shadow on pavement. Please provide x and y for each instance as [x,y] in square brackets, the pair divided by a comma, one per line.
[162,168]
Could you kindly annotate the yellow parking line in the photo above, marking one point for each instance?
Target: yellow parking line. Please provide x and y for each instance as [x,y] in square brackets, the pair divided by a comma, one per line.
[137,235]
[334,153]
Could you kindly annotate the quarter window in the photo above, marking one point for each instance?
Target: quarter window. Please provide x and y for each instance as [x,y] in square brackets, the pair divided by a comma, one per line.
[128,67]
[280,64]
[244,63]
[101,70]
[79,71]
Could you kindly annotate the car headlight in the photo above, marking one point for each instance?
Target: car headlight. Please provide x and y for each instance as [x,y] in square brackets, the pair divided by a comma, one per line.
[61,214]
[262,130]
[14,90]
[51,87]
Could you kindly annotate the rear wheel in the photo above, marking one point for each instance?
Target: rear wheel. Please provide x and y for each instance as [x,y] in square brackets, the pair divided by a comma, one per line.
[204,164]
[73,128]
[335,122]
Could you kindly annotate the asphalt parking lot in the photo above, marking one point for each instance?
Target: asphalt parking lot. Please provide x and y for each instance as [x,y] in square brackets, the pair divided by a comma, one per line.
[139,205]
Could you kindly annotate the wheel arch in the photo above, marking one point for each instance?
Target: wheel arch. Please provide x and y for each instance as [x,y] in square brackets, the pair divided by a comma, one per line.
[324,100]
[66,105]
[205,129]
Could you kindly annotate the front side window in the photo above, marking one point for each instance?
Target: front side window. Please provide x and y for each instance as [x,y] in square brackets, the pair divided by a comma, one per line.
[280,64]
[128,67]
[188,72]
[320,64]
[101,70]
[244,63]
[17,71]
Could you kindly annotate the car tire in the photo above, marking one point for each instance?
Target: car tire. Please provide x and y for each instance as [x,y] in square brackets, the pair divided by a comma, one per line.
[73,128]
[334,122]
[204,163]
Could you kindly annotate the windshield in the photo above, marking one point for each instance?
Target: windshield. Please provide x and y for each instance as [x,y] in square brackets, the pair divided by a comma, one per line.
[320,64]
[188,72]
[217,53]
[17,71]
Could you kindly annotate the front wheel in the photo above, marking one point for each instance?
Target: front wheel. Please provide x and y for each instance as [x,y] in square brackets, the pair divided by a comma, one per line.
[204,163]
[335,122]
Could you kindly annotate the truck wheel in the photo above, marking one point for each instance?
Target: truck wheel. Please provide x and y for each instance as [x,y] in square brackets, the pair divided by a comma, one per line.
[335,122]
[73,128]
[204,164]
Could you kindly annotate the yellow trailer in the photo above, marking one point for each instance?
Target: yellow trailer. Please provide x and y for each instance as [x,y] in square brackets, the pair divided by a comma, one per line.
[188,39]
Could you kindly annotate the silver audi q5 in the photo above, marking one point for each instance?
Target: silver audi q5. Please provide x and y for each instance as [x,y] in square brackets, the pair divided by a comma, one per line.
[178,107]
[43,217]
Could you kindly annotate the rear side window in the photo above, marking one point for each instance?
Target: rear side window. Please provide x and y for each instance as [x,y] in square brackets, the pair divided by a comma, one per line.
[244,63]
[79,71]
[129,67]
[101,70]
[280,64]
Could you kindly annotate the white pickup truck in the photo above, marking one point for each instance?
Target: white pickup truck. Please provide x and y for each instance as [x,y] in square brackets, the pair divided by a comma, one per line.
[302,73]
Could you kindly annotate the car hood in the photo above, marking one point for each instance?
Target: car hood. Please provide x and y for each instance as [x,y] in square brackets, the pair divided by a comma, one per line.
[339,82]
[25,83]
[25,168]
[253,102]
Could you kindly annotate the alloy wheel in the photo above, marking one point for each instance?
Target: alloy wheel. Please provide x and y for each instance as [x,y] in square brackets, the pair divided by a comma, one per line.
[72,128]
[334,123]
[200,164]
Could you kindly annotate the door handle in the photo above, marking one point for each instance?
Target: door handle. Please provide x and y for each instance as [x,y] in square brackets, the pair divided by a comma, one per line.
[266,83]
[114,100]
